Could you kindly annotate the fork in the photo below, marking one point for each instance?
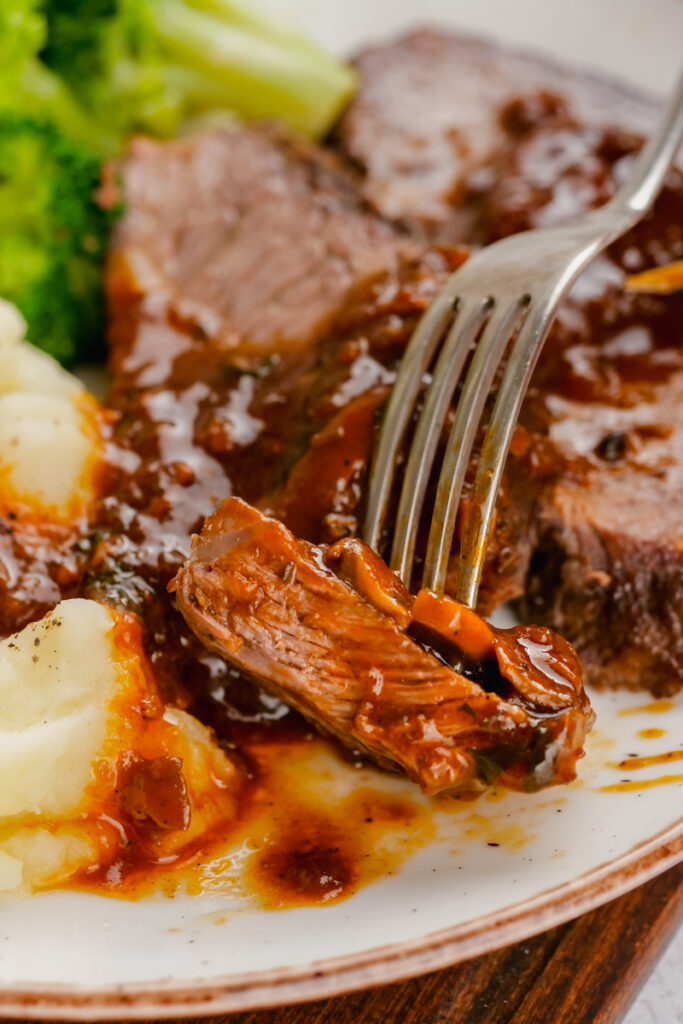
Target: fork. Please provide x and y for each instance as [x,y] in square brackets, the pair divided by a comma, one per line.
[508,292]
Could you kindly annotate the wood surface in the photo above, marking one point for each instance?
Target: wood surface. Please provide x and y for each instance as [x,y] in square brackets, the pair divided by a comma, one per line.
[585,972]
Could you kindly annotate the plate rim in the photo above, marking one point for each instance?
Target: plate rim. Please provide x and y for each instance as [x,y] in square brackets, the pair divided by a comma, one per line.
[377,966]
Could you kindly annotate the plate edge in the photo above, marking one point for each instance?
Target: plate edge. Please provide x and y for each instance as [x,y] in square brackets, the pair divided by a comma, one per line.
[378,966]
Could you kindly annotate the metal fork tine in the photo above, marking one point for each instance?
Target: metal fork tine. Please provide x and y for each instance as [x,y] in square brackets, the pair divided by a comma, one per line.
[416,360]
[482,371]
[513,386]
[468,321]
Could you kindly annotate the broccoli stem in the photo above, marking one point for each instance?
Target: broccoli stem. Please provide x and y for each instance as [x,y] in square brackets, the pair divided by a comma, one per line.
[254,74]
[246,15]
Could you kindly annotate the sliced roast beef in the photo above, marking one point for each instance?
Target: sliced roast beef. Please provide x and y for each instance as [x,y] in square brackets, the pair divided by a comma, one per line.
[600,557]
[250,237]
[435,109]
[607,396]
[327,630]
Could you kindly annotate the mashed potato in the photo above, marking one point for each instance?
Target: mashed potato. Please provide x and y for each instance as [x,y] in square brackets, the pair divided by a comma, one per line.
[50,436]
[91,761]
[78,708]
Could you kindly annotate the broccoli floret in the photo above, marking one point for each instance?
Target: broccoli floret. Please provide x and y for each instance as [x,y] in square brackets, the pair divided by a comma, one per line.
[52,236]
[155,65]
[28,87]
[74,44]
[23,31]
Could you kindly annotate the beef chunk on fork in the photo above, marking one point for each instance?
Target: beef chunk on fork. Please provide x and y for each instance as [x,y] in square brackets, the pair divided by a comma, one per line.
[329,631]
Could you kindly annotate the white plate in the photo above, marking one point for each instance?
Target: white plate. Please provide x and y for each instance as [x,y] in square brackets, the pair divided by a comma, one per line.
[559,852]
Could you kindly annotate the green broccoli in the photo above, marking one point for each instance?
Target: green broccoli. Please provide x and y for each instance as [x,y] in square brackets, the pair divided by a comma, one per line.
[155,65]
[27,86]
[52,236]
[79,76]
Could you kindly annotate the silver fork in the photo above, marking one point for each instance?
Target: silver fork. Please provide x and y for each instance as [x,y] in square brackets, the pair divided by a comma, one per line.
[510,288]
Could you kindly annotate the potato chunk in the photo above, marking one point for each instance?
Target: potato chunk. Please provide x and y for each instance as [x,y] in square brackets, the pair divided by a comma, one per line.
[79,717]
[50,433]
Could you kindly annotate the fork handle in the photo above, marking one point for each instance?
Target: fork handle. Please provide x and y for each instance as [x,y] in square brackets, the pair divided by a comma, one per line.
[639,191]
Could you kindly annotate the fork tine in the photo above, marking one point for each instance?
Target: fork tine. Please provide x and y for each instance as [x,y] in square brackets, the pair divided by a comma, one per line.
[485,363]
[415,362]
[468,321]
[513,386]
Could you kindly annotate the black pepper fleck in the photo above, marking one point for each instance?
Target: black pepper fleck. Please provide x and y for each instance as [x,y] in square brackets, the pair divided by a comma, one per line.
[612,447]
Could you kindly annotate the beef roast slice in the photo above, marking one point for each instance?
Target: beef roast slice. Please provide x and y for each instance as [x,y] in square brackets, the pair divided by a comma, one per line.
[532,145]
[274,607]
[252,238]
[435,108]
[607,395]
